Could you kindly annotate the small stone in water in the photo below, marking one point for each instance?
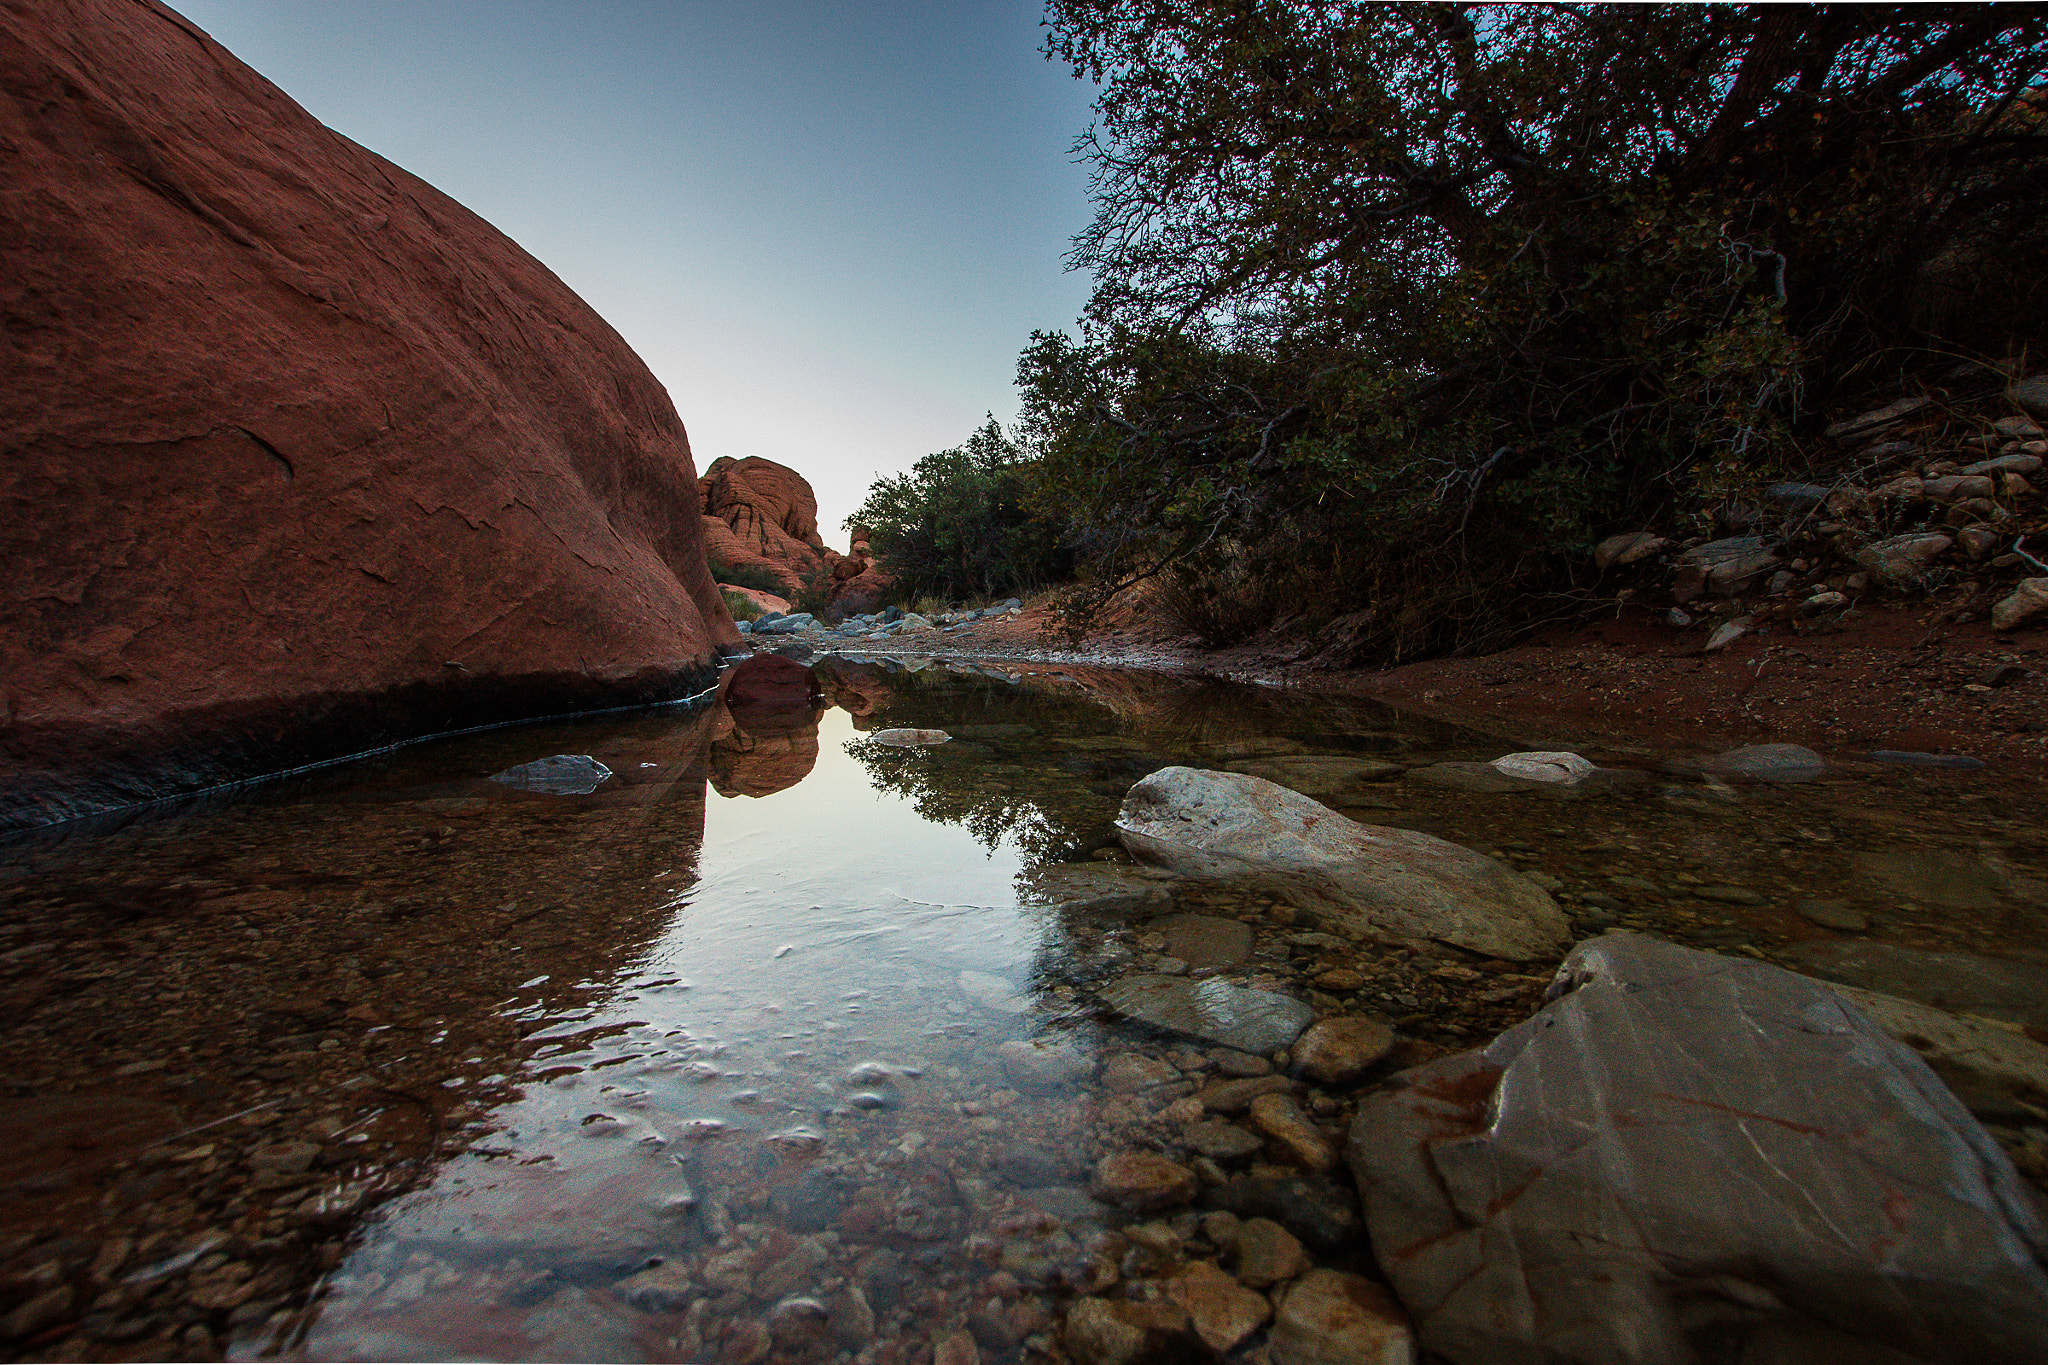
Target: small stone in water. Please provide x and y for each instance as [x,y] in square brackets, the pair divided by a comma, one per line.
[556,775]
[697,1130]
[869,1073]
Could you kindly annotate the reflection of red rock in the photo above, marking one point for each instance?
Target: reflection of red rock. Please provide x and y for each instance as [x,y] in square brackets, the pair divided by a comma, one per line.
[764,689]
[302,456]
[852,689]
[767,737]
[762,515]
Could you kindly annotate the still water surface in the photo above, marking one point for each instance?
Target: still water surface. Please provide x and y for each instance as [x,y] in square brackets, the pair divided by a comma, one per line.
[762,1048]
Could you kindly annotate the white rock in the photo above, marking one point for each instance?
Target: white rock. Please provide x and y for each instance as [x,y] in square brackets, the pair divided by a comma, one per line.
[2023,606]
[1365,879]
[1547,766]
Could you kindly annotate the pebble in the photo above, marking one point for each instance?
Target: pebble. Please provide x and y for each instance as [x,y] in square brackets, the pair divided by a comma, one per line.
[1127,1073]
[1231,1097]
[1342,1050]
[1223,1312]
[1143,1181]
[1233,1063]
[1281,1119]
[1220,1141]
[1042,1063]
[1331,1317]
[1265,1253]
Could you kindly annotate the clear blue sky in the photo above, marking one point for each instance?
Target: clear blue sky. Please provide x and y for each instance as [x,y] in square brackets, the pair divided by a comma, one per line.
[827,228]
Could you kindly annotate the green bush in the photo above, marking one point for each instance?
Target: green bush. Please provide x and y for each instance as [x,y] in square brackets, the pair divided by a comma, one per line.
[1427,297]
[748,576]
[742,607]
[960,524]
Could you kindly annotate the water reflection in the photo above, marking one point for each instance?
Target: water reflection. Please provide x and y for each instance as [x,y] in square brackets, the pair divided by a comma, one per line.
[756,1047]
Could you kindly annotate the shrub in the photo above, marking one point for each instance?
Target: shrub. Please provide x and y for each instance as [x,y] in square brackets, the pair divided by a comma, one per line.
[742,607]
[748,576]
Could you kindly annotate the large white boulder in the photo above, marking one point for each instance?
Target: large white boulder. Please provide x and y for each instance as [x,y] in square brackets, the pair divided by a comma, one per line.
[1364,880]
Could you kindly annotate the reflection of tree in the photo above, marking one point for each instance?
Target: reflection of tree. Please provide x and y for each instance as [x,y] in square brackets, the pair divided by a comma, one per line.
[953,792]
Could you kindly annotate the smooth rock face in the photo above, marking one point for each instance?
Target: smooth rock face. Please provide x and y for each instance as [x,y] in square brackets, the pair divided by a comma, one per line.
[1212,1010]
[1364,879]
[1685,1148]
[303,457]
[557,775]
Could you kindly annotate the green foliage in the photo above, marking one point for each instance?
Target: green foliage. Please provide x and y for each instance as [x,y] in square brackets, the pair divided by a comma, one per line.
[1423,297]
[960,525]
[815,596]
[748,576]
[740,605]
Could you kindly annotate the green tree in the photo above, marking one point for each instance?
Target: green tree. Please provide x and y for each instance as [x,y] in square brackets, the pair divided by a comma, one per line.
[1437,291]
[959,523]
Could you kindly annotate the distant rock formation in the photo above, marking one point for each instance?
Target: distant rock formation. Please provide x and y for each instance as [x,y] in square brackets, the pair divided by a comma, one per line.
[301,457]
[762,515]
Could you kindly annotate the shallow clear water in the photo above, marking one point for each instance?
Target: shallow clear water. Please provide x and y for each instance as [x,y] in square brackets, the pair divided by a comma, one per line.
[759,1048]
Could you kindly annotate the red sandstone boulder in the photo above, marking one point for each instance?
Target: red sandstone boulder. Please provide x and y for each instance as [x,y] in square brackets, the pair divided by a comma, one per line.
[302,457]
[762,515]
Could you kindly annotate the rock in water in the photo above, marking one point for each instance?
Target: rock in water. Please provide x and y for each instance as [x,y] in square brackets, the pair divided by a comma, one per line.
[910,739]
[1768,763]
[557,775]
[317,459]
[1683,1149]
[1567,769]
[1369,880]
[1212,1010]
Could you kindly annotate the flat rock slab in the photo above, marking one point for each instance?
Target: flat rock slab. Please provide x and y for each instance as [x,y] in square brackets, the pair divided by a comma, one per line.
[1999,987]
[1212,1010]
[1366,880]
[1205,940]
[1686,1149]
[556,775]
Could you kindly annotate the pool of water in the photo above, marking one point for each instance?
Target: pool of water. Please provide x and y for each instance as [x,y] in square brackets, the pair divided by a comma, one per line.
[765,1046]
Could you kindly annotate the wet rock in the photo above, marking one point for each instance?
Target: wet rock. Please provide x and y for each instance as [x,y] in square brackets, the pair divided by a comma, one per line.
[1315,1208]
[1220,1141]
[1143,1182]
[1838,915]
[1627,548]
[1043,1063]
[773,624]
[2001,988]
[1264,1253]
[1029,1167]
[1212,1010]
[1234,1096]
[1222,1312]
[1205,940]
[1910,758]
[910,739]
[1332,1318]
[1364,878]
[557,775]
[1768,763]
[1098,889]
[1127,1073]
[1281,1119]
[2025,605]
[1119,1332]
[1562,769]
[1340,1051]
[1565,1192]
[1322,777]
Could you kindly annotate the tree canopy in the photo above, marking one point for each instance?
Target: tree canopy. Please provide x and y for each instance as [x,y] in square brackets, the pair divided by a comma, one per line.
[1400,280]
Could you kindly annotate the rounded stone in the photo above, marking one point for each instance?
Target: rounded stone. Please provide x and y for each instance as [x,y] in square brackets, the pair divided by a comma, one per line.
[1341,1051]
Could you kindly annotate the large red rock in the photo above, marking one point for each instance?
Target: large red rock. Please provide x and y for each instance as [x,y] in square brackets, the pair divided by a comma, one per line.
[762,515]
[301,456]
